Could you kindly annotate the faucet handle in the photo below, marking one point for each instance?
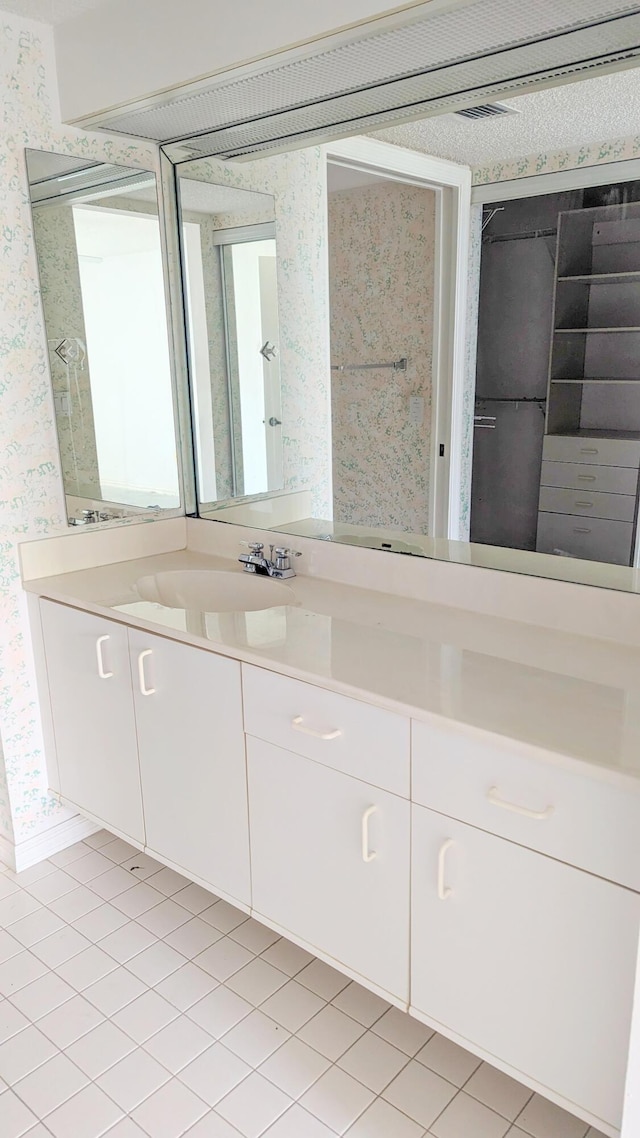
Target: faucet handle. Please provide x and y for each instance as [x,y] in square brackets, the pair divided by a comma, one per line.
[255,546]
[282,552]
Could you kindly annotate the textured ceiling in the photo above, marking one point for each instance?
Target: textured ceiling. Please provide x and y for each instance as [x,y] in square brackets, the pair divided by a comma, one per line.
[48,11]
[578,113]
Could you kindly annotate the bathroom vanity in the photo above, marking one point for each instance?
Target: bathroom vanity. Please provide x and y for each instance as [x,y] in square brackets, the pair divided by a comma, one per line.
[364,773]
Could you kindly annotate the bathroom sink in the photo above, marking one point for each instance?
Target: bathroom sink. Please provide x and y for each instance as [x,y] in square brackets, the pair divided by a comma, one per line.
[212,590]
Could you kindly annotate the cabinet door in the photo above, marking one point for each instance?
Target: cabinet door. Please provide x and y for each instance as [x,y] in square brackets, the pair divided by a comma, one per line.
[92,710]
[192,760]
[527,958]
[330,862]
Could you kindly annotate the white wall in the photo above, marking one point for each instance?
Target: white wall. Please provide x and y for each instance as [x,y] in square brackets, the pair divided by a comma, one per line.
[124,51]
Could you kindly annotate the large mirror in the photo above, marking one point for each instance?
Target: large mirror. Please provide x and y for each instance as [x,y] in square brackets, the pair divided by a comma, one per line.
[545,445]
[97,238]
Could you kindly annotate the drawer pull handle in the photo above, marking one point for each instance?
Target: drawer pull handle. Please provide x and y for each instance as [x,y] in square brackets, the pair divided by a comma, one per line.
[585,505]
[144,690]
[581,529]
[101,669]
[539,815]
[443,890]
[589,450]
[367,854]
[586,478]
[298,725]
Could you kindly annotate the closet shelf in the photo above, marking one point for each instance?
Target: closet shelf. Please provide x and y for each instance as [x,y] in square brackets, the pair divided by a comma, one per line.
[598,379]
[590,331]
[630,277]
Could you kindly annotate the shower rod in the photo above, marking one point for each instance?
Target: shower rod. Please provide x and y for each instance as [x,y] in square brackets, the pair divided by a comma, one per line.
[397,365]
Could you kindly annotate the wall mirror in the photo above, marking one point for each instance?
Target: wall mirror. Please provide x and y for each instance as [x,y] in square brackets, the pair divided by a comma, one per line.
[98,247]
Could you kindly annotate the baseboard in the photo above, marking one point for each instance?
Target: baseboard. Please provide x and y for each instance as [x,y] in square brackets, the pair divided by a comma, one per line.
[41,846]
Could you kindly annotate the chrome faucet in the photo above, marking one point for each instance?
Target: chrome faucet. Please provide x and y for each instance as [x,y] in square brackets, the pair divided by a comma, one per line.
[278,565]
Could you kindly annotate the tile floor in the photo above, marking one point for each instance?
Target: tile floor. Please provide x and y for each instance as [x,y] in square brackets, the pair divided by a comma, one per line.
[133,1004]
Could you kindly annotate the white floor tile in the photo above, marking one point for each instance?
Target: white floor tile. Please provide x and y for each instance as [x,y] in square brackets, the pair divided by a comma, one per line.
[87,968]
[9,884]
[253,935]
[218,1012]
[70,1021]
[155,963]
[87,868]
[253,1105]
[126,1128]
[72,853]
[26,876]
[498,1091]
[97,840]
[145,1016]
[296,1123]
[193,937]
[288,957]
[381,1120]
[113,882]
[36,927]
[331,1032]
[294,1067]
[141,866]
[100,1049]
[448,1060]
[360,1004]
[50,1085]
[542,1119]
[178,1044]
[21,1055]
[118,851]
[114,991]
[167,881]
[164,918]
[420,1093]
[186,987]
[134,902]
[15,1118]
[213,1126]
[337,1100]
[11,1022]
[9,946]
[133,1079]
[15,907]
[322,979]
[223,916]
[61,946]
[98,923]
[255,1038]
[257,981]
[373,1061]
[402,1031]
[88,1115]
[168,1112]
[52,886]
[214,1073]
[127,941]
[42,996]
[465,1116]
[223,958]
[292,1005]
[19,971]
[75,904]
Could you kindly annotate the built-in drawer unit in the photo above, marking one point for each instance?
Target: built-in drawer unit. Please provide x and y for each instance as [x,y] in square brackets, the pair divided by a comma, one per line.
[594,539]
[588,823]
[595,479]
[596,451]
[345,734]
[588,504]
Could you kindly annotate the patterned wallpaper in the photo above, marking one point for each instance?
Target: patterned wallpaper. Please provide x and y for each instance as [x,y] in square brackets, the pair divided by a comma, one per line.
[381,282]
[549,162]
[31,497]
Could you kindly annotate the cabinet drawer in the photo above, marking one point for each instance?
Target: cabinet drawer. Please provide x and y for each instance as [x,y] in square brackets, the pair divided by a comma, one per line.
[600,452]
[594,539]
[588,503]
[583,476]
[339,732]
[586,823]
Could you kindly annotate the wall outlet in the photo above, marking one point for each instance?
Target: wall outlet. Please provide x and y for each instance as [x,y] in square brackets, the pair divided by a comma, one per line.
[416,410]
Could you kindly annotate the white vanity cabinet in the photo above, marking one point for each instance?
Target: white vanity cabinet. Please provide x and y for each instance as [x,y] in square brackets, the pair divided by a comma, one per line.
[89,678]
[188,710]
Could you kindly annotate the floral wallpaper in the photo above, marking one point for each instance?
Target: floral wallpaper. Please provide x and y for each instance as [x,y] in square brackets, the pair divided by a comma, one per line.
[31,494]
[381,285]
[549,162]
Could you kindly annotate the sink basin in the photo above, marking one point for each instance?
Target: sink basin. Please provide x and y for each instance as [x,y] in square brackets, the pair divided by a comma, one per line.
[212,590]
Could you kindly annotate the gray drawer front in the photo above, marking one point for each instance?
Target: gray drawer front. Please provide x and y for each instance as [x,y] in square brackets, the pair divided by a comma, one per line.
[591,538]
[579,476]
[587,504]
[600,452]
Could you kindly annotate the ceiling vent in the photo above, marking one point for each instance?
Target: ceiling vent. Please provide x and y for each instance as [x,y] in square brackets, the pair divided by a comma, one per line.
[445,58]
[486,111]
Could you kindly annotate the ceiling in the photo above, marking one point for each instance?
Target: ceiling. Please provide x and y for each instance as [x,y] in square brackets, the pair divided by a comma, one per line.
[593,110]
[49,11]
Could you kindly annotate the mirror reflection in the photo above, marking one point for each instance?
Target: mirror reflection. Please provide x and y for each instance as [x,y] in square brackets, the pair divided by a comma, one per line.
[97,238]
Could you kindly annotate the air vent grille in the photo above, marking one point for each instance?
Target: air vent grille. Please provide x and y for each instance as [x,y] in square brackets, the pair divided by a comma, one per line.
[433,64]
[486,111]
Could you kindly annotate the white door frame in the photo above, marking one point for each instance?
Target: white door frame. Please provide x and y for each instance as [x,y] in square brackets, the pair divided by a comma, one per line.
[452,185]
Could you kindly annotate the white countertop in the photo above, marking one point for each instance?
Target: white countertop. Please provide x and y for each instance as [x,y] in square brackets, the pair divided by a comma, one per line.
[574,699]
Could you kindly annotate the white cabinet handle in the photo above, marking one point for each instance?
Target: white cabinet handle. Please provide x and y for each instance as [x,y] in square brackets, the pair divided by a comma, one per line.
[496,800]
[443,890]
[101,671]
[298,725]
[367,855]
[144,690]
